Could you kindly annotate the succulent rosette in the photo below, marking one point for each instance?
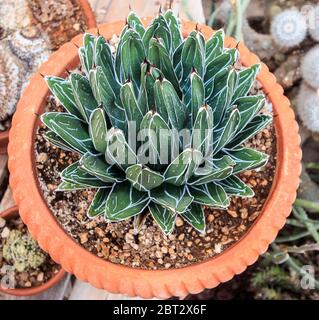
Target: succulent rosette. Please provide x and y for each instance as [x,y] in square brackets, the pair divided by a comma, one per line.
[160,125]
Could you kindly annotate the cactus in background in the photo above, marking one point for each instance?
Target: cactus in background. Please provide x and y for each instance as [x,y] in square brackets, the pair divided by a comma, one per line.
[310,67]
[22,251]
[162,84]
[289,28]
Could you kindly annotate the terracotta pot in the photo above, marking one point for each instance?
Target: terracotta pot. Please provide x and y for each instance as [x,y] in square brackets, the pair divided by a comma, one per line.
[136,282]
[90,21]
[13,213]
[88,14]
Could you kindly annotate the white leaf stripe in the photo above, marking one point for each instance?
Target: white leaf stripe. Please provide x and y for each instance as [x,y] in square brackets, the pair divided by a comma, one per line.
[70,129]
[210,195]
[164,218]
[97,206]
[195,216]
[176,199]
[125,202]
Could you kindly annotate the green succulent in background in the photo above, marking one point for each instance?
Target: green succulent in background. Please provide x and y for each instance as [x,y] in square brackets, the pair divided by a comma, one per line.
[163,84]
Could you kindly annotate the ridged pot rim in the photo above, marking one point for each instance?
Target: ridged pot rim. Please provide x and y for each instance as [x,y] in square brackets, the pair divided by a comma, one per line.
[13,213]
[138,282]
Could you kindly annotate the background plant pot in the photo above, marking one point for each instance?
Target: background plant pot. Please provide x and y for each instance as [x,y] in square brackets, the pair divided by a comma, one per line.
[90,21]
[13,213]
[88,13]
[137,282]
[4,140]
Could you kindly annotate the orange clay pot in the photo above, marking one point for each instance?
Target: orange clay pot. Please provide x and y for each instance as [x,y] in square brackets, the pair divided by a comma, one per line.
[137,282]
[90,21]
[13,213]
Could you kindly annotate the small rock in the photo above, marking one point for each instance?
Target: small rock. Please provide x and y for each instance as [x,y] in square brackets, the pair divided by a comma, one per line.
[42,157]
[159,254]
[40,277]
[2,222]
[210,218]
[5,232]
[28,284]
[84,237]
[179,222]
[232,213]
[218,248]
[164,250]
[181,237]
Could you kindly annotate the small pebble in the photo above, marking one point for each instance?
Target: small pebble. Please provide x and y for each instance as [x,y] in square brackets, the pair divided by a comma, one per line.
[2,222]
[5,233]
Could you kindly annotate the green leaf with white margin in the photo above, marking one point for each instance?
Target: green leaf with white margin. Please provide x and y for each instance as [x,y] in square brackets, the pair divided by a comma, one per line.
[143,178]
[247,77]
[97,166]
[183,167]
[211,195]
[177,60]
[110,100]
[94,86]
[98,204]
[75,174]
[132,56]
[168,104]
[159,57]
[221,170]
[70,129]
[248,107]
[98,129]
[228,58]
[104,59]
[149,75]
[211,165]
[136,24]
[158,134]
[134,111]
[174,27]
[197,95]
[124,202]
[83,95]
[247,159]
[225,134]
[148,35]
[195,216]
[163,217]
[236,187]
[202,134]
[176,199]
[193,55]
[58,142]
[87,53]
[62,90]
[220,100]
[71,186]
[118,151]
[256,125]
[163,32]
[215,46]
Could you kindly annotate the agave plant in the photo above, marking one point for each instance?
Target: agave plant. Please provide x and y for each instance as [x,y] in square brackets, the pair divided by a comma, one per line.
[163,84]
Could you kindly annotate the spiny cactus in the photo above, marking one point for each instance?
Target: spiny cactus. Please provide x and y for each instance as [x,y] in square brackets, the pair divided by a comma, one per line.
[289,28]
[308,107]
[310,67]
[192,112]
[22,251]
[314,30]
